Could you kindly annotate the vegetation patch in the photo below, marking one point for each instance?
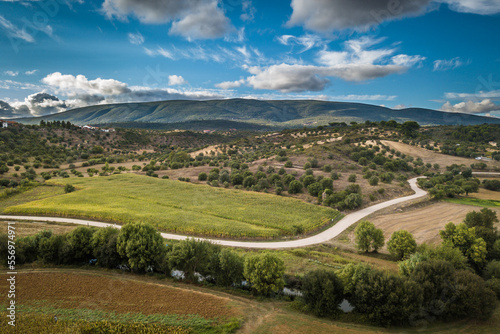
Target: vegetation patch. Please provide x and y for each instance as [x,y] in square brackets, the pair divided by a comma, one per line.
[181,207]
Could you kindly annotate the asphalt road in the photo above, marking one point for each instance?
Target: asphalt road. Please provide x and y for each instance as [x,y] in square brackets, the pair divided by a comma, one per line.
[319,238]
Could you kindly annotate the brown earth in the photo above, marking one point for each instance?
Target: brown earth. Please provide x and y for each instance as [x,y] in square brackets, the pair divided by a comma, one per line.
[423,221]
[73,290]
[32,228]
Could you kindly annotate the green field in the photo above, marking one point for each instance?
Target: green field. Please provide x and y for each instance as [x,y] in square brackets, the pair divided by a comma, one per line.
[181,207]
[474,201]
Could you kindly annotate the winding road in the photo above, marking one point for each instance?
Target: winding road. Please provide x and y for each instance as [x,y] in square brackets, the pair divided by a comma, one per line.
[319,238]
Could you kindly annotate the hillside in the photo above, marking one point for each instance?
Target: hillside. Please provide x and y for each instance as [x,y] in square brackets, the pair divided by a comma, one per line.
[280,114]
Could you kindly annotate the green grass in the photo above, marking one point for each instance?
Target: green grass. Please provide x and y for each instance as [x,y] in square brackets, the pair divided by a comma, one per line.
[29,195]
[181,207]
[474,201]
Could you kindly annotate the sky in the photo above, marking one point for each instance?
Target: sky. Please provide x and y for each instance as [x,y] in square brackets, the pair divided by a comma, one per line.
[57,55]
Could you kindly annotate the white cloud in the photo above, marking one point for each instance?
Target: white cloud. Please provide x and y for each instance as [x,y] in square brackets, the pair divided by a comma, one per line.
[230,84]
[176,80]
[471,107]
[38,104]
[11,73]
[192,19]
[307,41]
[14,31]
[327,15]
[70,85]
[355,63]
[330,15]
[482,7]
[248,11]
[445,65]
[354,97]
[136,39]
[30,72]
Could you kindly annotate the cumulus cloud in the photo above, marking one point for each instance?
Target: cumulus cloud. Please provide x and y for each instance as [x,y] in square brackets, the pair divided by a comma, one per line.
[355,63]
[331,15]
[230,84]
[192,19]
[136,39]
[70,85]
[176,80]
[445,65]
[471,107]
[11,73]
[37,104]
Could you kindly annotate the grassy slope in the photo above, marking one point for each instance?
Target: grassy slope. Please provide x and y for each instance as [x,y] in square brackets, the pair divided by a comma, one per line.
[181,207]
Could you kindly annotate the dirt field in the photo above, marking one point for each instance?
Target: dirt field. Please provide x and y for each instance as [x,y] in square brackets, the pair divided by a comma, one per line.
[72,290]
[432,157]
[423,222]
[486,194]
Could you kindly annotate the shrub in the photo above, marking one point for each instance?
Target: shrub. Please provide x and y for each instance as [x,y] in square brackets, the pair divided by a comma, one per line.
[352,178]
[202,176]
[69,188]
[373,181]
[295,187]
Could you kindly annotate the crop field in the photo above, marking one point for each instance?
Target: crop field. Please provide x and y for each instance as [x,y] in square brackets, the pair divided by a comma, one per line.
[423,222]
[95,298]
[181,207]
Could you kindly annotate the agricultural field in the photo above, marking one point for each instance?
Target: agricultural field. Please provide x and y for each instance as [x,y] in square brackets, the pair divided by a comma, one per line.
[180,207]
[423,221]
[113,298]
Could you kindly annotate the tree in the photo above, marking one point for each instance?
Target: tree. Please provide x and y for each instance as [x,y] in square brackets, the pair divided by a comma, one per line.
[485,218]
[352,275]
[79,242]
[314,189]
[472,298]
[353,201]
[322,291]
[295,187]
[192,256]
[402,244]
[202,176]
[69,188]
[352,178]
[226,267]
[103,243]
[387,299]
[141,245]
[492,270]
[264,272]
[465,239]
[368,237]
[437,279]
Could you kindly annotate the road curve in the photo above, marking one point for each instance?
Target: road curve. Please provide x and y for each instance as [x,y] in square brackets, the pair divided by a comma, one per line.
[324,236]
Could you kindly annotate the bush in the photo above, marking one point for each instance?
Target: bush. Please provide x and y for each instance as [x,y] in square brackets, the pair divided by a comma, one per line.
[103,243]
[202,176]
[353,201]
[352,178]
[322,292]
[69,188]
[492,270]
[314,189]
[295,187]
[373,181]
[402,244]
[192,256]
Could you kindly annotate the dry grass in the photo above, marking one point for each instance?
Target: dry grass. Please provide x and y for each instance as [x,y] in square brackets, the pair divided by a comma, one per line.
[424,222]
[432,157]
[32,228]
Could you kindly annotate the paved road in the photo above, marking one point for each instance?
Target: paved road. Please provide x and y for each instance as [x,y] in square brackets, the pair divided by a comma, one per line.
[324,236]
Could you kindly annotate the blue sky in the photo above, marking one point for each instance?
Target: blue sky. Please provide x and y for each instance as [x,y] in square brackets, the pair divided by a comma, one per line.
[441,54]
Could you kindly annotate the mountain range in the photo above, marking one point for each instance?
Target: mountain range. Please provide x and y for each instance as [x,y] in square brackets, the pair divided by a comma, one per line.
[262,114]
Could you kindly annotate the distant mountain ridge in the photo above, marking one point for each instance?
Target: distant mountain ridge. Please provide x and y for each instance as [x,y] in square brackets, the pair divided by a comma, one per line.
[268,113]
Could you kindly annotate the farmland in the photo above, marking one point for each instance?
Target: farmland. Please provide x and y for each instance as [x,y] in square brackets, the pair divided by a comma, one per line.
[181,207]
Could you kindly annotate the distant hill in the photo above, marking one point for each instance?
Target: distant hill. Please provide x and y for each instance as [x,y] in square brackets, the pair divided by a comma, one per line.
[265,114]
